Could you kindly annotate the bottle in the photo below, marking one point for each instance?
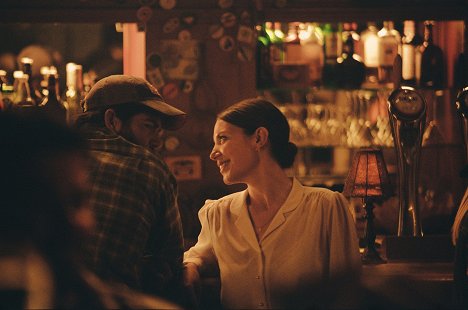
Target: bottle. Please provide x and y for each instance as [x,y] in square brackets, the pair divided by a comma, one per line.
[432,61]
[370,43]
[460,72]
[52,105]
[277,43]
[26,65]
[312,51]
[22,100]
[292,44]
[389,40]
[74,91]
[351,71]
[263,63]
[351,29]
[332,48]
[410,43]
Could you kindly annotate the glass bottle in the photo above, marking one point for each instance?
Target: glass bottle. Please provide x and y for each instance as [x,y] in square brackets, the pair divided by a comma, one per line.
[263,62]
[22,99]
[278,43]
[74,92]
[351,71]
[26,66]
[292,44]
[410,43]
[370,43]
[52,105]
[333,48]
[432,61]
[312,51]
[389,40]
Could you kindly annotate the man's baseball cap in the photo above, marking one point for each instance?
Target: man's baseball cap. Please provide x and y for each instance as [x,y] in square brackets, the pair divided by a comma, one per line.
[119,89]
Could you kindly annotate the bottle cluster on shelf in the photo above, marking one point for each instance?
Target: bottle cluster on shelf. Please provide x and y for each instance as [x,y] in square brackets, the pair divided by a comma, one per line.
[347,55]
[28,93]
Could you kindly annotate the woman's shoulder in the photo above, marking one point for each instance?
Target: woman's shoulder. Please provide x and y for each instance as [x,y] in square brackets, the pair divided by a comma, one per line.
[224,204]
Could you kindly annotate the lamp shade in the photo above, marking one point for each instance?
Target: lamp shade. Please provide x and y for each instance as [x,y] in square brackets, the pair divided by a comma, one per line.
[368,176]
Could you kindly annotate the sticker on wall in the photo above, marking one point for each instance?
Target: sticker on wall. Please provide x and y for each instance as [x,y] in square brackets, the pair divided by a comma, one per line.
[245,35]
[167,4]
[216,31]
[188,19]
[184,35]
[170,91]
[155,77]
[171,143]
[185,167]
[187,86]
[225,4]
[227,43]
[144,14]
[153,60]
[246,18]
[171,25]
[179,59]
[245,53]
[228,19]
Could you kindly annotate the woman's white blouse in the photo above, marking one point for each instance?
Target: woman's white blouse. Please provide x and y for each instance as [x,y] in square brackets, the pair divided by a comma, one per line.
[311,240]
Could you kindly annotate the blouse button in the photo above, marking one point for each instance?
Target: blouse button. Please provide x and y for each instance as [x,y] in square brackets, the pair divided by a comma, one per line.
[257,277]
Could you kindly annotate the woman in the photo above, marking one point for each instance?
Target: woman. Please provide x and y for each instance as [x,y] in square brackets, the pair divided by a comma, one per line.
[277,243]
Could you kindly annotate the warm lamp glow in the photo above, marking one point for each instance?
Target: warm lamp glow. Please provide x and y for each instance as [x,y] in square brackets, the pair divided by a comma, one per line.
[368,178]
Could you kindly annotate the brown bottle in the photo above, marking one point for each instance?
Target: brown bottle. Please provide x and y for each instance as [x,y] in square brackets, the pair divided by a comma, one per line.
[26,64]
[52,106]
[432,61]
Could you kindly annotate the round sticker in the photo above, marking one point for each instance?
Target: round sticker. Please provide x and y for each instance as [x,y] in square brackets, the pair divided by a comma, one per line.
[216,31]
[228,19]
[245,17]
[187,86]
[171,143]
[171,25]
[184,35]
[144,13]
[188,19]
[167,4]
[170,91]
[227,43]
[153,60]
[224,4]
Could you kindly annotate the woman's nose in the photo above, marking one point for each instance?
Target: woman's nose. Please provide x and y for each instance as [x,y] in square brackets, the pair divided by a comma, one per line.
[214,154]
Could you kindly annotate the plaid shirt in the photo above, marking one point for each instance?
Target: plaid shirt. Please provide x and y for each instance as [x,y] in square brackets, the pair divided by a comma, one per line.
[134,197]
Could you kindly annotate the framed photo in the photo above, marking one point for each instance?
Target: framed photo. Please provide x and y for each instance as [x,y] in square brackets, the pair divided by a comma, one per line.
[185,167]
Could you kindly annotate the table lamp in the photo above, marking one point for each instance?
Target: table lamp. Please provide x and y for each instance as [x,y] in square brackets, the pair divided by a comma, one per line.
[368,179]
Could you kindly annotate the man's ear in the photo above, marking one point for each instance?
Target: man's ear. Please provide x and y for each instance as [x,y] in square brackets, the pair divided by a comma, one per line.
[111,121]
[261,137]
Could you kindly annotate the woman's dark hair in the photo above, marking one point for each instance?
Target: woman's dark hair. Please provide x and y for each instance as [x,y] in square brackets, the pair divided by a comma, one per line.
[250,114]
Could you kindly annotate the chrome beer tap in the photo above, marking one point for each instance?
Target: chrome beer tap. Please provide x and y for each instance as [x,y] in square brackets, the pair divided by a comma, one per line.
[407,113]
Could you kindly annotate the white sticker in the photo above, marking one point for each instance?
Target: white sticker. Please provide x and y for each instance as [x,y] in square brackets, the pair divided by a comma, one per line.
[245,34]
[184,35]
[167,4]
[225,4]
[227,43]
[216,31]
[228,19]
[171,25]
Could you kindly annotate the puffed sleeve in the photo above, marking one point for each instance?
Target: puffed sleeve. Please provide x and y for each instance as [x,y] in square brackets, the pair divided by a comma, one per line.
[345,258]
[202,253]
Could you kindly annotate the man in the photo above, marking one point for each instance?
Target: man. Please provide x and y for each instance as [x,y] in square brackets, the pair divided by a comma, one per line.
[138,237]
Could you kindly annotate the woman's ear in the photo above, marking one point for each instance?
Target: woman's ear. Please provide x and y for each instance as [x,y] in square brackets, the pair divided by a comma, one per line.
[261,137]
[111,121]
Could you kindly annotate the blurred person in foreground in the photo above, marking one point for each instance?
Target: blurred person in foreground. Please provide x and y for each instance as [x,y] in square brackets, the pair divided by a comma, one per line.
[278,244]
[44,216]
[138,239]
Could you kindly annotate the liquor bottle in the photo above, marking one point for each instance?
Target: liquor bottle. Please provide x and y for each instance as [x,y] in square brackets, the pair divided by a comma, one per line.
[432,61]
[312,51]
[351,71]
[263,63]
[351,29]
[52,105]
[292,44]
[333,48]
[389,40]
[22,98]
[276,44]
[410,43]
[370,43]
[74,92]
[26,66]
